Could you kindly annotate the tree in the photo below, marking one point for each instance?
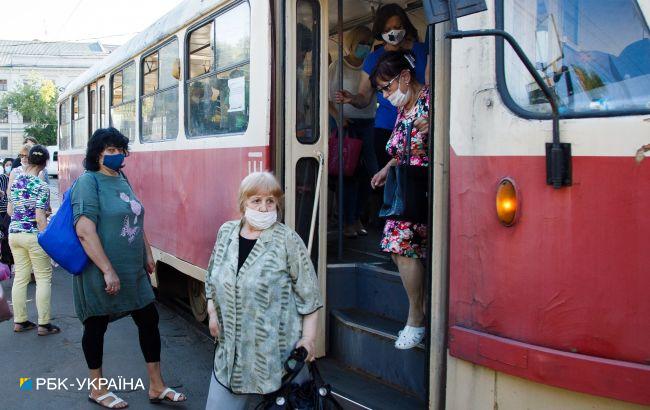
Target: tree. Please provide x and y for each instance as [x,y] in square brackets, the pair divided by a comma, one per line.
[35,100]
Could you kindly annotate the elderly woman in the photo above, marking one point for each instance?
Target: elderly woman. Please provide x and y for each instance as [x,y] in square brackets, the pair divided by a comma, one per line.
[263,298]
[109,220]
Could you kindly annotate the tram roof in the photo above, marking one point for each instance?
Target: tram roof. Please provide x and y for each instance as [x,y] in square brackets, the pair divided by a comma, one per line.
[168,24]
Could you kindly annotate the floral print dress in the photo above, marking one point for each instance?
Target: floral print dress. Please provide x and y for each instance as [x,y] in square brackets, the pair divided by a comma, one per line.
[403,237]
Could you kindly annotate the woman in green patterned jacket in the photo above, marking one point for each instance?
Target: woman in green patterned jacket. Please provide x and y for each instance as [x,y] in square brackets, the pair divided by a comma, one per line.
[263,298]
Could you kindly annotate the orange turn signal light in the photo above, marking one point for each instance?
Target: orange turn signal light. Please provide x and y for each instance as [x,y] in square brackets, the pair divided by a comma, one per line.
[507,202]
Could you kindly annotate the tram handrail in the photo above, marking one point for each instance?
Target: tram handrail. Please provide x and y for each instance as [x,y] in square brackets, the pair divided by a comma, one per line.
[312,226]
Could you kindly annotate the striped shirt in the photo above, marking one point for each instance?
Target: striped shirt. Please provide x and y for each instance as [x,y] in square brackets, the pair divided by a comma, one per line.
[4,181]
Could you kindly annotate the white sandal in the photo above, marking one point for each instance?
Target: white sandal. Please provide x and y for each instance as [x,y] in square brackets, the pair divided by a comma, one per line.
[163,396]
[112,404]
[409,337]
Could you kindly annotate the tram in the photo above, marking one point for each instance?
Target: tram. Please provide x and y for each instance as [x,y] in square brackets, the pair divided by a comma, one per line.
[538,276]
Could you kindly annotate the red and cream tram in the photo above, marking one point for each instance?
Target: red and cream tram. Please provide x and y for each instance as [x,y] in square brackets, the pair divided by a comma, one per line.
[538,294]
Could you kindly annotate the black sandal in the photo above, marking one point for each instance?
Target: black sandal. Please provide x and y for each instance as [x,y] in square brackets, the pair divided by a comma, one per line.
[50,329]
[24,326]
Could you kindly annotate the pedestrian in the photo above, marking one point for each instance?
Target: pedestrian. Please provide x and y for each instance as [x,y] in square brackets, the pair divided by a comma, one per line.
[109,220]
[260,275]
[5,251]
[29,198]
[405,240]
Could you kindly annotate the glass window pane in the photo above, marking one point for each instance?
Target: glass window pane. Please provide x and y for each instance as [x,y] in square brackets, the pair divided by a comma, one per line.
[232,36]
[64,125]
[117,88]
[93,109]
[307,72]
[123,118]
[79,123]
[219,104]
[160,116]
[307,176]
[595,55]
[169,65]
[150,73]
[201,55]
[129,83]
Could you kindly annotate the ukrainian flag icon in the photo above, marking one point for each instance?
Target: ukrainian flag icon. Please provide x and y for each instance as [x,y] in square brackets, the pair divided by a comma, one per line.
[26,383]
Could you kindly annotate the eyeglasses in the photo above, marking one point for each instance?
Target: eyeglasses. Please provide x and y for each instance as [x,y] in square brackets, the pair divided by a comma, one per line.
[388,84]
[22,156]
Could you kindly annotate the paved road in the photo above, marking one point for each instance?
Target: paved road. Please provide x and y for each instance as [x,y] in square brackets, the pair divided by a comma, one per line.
[55,200]
[186,356]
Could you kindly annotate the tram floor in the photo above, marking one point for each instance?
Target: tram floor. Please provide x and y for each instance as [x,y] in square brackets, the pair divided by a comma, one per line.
[186,357]
[362,249]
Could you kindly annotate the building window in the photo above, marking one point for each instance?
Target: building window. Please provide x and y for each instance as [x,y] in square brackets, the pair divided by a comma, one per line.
[159,99]
[27,119]
[4,143]
[219,70]
[3,85]
[4,115]
[123,101]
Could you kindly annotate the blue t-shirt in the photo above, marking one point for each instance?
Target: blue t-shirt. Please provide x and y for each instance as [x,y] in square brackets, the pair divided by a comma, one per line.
[386,112]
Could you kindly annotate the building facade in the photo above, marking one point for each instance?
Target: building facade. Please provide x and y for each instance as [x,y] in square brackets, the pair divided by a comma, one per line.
[60,62]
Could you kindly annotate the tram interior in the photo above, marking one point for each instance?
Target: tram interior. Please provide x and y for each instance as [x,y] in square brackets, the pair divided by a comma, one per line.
[367,303]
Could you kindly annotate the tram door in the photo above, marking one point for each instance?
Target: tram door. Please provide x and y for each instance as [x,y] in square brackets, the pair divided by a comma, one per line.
[305,131]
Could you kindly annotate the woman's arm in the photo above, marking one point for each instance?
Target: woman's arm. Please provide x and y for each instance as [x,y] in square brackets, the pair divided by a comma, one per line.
[41,219]
[308,339]
[150,264]
[87,233]
[363,96]
[213,322]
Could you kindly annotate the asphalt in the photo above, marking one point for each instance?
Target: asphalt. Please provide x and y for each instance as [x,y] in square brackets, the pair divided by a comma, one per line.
[186,356]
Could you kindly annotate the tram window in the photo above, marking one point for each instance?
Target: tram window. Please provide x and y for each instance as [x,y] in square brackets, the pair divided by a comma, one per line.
[64,125]
[79,124]
[123,101]
[159,101]
[594,55]
[307,71]
[102,106]
[218,101]
[92,102]
[201,50]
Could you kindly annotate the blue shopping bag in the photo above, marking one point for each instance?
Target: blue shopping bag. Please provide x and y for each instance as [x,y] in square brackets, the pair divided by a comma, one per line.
[60,241]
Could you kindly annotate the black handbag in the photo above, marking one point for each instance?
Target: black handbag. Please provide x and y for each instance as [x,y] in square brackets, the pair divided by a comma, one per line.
[313,394]
[406,189]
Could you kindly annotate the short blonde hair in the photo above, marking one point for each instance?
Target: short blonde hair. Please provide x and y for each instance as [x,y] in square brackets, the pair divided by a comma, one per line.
[24,150]
[260,183]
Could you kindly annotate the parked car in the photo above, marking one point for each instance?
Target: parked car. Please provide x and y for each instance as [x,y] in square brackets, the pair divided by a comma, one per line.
[53,163]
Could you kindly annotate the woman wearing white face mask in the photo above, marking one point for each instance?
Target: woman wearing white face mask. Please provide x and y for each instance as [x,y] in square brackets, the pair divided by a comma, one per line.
[263,298]
[393,27]
[406,241]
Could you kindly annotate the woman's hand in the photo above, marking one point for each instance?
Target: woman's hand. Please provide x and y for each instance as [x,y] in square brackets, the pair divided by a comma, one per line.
[150,265]
[422,125]
[380,178]
[112,283]
[309,345]
[343,96]
[214,326]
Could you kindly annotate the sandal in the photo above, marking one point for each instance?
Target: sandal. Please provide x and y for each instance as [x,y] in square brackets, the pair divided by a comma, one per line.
[24,326]
[111,405]
[409,337]
[163,396]
[50,329]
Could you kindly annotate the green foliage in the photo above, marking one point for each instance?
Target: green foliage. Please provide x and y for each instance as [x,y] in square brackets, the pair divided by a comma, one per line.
[35,100]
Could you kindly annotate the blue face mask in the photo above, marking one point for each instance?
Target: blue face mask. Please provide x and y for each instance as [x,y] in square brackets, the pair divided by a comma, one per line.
[361,51]
[114,161]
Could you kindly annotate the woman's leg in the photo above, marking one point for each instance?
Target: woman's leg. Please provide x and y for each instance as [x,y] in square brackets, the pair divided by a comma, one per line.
[411,271]
[23,275]
[220,398]
[147,321]
[43,274]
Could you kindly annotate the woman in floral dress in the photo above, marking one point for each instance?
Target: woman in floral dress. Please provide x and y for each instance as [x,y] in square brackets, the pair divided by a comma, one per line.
[406,241]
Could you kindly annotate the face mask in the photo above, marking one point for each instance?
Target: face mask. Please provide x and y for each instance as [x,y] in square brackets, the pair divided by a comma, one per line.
[23,161]
[394,37]
[361,51]
[114,161]
[398,98]
[260,220]
[8,169]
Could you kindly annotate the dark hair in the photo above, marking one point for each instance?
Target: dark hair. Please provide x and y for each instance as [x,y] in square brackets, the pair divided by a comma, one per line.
[390,64]
[387,11]
[10,160]
[38,155]
[102,139]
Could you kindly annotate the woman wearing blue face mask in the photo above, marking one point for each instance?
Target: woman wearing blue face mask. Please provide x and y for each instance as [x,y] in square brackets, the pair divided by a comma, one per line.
[359,123]
[109,220]
[5,251]
[393,27]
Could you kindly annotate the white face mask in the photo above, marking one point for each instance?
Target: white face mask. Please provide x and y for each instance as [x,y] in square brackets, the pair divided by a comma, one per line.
[260,220]
[398,98]
[394,37]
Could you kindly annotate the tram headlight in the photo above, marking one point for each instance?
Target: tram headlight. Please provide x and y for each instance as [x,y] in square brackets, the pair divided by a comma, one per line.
[507,202]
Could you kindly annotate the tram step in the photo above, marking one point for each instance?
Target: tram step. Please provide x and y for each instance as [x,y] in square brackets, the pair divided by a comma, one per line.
[365,341]
[354,390]
[367,287]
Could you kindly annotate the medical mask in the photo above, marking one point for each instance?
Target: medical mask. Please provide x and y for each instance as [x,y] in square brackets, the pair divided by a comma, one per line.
[394,37]
[398,98]
[361,51]
[114,161]
[8,169]
[260,220]
[23,161]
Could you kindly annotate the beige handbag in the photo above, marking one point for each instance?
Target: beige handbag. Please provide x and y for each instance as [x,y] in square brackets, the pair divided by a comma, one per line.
[5,311]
